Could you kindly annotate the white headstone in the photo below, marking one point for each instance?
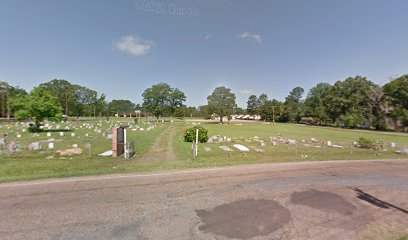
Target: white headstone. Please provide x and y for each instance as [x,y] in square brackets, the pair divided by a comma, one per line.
[241,148]
[50,145]
[48,134]
[61,134]
[226,149]
[75,145]
[72,134]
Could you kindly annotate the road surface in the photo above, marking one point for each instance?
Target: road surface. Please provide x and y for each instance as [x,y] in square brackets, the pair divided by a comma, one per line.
[310,200]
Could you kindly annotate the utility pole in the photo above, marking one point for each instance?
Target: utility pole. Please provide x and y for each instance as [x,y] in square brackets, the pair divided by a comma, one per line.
[273,115]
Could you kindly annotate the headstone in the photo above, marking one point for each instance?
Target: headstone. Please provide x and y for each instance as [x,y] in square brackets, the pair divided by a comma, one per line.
[403,151]
[75,145]
[118,141]
[18,135]
[51,145]
[226,149]
[290,141]
[329,143]
[14,147]
[241,148]
[256,149]
[61,134]
[106,154]
[72,134]
[393,145]
[34,146]
[48,134]
[210,140]
[262,142]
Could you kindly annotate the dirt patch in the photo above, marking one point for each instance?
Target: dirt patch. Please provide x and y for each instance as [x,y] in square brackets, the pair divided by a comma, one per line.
[323,201]
[162,149]
[244,219]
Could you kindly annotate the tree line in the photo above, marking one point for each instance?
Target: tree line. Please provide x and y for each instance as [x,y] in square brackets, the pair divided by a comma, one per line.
[353,102]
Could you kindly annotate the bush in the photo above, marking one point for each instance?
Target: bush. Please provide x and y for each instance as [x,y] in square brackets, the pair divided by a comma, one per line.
[190,134]
[21,115]
[365,142]
[32,128]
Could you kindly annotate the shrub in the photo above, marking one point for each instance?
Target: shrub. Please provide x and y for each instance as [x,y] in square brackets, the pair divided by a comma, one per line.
[32,128]
[190,134]
[365,142]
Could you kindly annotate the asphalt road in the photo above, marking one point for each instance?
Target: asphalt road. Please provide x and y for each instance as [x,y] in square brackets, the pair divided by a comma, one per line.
[318,200]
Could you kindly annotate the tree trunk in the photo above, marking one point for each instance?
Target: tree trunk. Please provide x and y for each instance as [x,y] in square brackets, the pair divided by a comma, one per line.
[222,119]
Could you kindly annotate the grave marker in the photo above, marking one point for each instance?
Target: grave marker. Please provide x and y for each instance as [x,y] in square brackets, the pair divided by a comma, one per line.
[118,141]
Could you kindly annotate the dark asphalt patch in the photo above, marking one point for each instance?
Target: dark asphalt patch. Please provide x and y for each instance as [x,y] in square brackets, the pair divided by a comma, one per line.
[244,219]
[323,201]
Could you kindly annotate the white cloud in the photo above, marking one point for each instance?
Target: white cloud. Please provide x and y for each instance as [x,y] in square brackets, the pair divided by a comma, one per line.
[133,45]
[208,36]
[245,92]
[250,36]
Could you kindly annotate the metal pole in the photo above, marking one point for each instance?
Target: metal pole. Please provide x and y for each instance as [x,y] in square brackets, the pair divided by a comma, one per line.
[124,141]
[196,147]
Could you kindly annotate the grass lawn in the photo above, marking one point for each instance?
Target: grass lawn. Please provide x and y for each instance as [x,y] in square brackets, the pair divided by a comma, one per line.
[241,134]
[27,165]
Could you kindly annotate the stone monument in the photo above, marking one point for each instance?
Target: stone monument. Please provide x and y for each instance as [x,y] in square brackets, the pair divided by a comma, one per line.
[118,141]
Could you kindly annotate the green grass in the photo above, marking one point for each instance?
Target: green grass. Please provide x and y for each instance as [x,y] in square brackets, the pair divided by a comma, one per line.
[283,152]
[34,165]
[26,165]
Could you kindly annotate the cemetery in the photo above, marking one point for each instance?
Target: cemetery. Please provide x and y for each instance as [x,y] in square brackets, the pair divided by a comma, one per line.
[121,145]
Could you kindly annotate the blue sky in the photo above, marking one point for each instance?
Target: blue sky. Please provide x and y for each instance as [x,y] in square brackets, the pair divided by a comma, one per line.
[122,47]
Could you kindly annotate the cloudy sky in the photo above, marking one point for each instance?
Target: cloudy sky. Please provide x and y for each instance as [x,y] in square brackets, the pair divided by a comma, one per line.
[268,46]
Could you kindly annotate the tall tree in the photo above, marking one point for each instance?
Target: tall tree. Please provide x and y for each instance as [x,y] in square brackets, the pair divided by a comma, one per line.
[252,105]
[270,110]
[293,104]
[396,93]
[347,103]
[120,106]
[63,90]
[39,105]
[160,99]
[314,103]
[222,102]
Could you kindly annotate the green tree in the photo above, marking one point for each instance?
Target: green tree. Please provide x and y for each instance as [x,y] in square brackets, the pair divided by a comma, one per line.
[314,103]
[293,105]
[396,93]
[347,102]
[120,106]
[255,103]
[222,102]
[160,99]
[252,105]
[63,90]
[270,110]
[38,106]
